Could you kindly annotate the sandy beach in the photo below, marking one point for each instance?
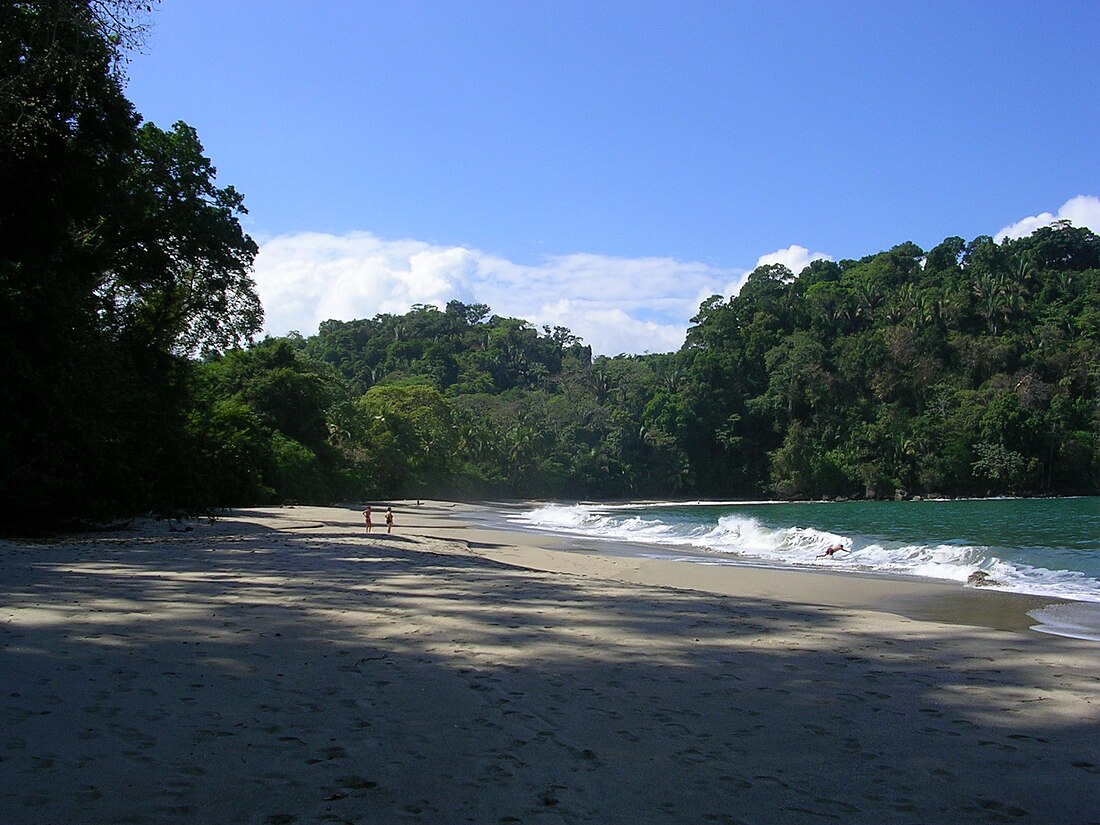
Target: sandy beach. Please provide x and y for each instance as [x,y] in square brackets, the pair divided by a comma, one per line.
[279,666]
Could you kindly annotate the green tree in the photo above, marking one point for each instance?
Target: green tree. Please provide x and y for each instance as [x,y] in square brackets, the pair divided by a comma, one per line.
[181,279]
[97,423]
[411,437]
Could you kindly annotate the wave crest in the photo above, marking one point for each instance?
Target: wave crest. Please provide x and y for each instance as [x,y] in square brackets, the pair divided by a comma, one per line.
[739,538]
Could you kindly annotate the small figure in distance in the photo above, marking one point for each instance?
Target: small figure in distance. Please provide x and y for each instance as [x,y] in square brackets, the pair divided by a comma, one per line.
[831,551]
[366,518]
[389,519]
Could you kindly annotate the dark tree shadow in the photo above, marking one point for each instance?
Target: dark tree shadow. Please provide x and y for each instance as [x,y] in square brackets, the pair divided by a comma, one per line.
[246,674]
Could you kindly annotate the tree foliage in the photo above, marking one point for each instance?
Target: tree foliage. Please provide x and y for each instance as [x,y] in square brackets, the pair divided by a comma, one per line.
[127,311]
[967,371]
[118,257]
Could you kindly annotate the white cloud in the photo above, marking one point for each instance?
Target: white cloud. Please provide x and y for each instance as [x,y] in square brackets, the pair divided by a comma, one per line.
[617,305]
[629,305]
[1081,211]
[618,331]
[794,257]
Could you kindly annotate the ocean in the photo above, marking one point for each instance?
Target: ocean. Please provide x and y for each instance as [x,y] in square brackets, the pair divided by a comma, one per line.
[1045,547]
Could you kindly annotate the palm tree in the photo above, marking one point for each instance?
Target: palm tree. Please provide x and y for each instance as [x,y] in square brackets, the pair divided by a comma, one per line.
[868,298]
[599,379]
[996,299]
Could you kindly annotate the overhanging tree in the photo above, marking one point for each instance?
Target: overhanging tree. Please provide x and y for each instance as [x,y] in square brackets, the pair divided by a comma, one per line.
[118,256]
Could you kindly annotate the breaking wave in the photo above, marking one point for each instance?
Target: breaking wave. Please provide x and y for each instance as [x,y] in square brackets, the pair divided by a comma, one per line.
[736,538]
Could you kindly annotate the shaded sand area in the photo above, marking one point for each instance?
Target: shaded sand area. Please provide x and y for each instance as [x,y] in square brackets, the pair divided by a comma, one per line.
[279,666]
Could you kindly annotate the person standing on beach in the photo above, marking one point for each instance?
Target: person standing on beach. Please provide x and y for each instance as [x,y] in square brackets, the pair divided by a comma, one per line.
[366,517]
[389,519]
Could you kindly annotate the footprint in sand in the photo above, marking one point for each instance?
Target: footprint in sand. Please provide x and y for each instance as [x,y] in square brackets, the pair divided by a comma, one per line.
[1025,736]
[88,793]
[736,781]
[938,732]
[992,805]
[986,743]
[357,783]
[774,780]
[722,819]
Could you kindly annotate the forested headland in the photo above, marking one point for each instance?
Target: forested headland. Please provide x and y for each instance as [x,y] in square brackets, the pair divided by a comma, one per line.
[133,382]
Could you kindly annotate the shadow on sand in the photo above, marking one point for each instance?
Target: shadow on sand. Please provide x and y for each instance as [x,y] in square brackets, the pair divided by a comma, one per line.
[258,675]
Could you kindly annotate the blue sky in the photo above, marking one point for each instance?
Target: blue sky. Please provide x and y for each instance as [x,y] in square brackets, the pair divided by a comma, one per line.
[606,166]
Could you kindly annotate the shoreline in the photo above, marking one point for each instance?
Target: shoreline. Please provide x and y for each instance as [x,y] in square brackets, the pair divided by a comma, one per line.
[927,598]
[909,596]
[279,665]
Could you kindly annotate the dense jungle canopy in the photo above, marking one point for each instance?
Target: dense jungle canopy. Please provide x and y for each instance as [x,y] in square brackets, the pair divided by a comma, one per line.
[128,315]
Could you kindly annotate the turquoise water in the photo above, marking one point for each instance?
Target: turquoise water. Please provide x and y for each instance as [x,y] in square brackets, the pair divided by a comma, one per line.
[1046,547]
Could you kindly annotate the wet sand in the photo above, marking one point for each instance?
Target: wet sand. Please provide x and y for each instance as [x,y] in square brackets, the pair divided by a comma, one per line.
[280,666]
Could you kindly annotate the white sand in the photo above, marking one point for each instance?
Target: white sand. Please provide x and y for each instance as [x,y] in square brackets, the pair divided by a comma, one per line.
[282,667]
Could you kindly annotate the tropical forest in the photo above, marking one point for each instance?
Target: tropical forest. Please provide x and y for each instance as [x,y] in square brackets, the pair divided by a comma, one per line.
[135,380]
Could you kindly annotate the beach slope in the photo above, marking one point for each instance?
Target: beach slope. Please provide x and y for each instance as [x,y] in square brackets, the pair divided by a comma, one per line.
[281,666]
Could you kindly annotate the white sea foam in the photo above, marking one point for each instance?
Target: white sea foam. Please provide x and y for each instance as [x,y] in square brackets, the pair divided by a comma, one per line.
[1076,620]
[742,539]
